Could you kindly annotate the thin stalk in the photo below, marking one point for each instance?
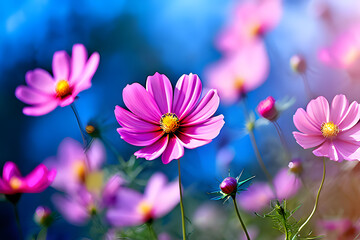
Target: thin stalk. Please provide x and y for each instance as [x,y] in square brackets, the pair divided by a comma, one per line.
[316,200]
[113,149]
[181,205]
[151,231]
[79,123]
[241,221]
[42,234]
[282,139]
[306,85]
[18,221]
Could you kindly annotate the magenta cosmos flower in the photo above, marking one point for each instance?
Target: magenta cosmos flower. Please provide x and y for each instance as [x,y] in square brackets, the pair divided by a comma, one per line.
[240,73]
[165,121]
[71,76]
[334,131]
[37,181]
[133,208]
[251,21]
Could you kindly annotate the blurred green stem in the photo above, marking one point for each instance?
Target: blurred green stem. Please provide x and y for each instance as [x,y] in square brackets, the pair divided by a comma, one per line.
[151,231]
[238,215]
[282,139]
[79,123]
[17,217]
[181,204]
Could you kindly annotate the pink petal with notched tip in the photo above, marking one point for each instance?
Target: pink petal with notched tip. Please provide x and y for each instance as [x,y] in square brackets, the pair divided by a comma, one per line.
[141,103]
[351,117]
[167,199]
[307,140]
[154,187]
[41,80]
[154,150]
[327,149]
[159,86]
[186,94]
[129,120]
[351,135]
[190,142]
[78,60]
[41,109]
[318,110]
[347,150]
[83,82]
[174,150]
[206,130]
[305,124]
[32,96]
[9,170]
[139,139]
[204,110]
[61,65]
[339,107]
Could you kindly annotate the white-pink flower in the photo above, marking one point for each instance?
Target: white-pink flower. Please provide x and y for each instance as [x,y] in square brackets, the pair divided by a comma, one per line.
[334,131]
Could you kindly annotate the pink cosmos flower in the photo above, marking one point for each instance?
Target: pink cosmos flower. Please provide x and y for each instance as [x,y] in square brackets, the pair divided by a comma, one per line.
[73,165]
[71,76]
[333,132]
[252,20]
[37,181]
[166,122]
[133,208]
[344,53]
[239,73]
[340,229]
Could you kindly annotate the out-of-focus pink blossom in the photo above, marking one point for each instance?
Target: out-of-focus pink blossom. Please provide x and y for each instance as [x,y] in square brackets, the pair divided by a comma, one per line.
[344,53]
[36,181]
[253,233]
[340,229]
[286,183]
[165,121]
[252,20]
[71,76]
[333,132]
[240,73]
[74,165]
[133,208]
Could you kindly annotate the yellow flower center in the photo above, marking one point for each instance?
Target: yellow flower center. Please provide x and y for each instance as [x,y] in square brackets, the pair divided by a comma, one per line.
[239,83]
[329,130]
[90,129]
[63,89]
[255,29]
[79,170]
[15,183]
[169,123]
[145,209]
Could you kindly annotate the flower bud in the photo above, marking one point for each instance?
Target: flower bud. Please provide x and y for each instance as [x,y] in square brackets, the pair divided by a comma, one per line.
[229,185]
[267,109]
[295,166]
[43,216]
[298,64]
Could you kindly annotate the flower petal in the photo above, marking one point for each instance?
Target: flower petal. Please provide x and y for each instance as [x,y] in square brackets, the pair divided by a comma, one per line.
[159,86]
[141,103]
[139,139]
[60,65]
[206,130]
[154,187]
[83,82]
[174,150]
[351,117]
[204,110]
[129,120]
[348,150]
[307,140]
[286,184]
[318,110]
[327,149]
[304,123]
[9,170]
[257,197]
[190,142]
[167,199]
[351,135]
[78,60]
[96,155]
[40,80]
[339,107]
[186,94]
[36,177]
[42,109]
[154,150]
[73,211]
[31,96]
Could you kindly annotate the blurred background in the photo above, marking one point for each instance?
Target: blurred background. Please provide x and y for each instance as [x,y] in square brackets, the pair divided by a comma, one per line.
[135,39]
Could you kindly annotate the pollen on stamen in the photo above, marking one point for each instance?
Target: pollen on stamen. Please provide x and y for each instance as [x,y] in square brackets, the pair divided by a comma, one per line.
[169,123]
[329,130]
[63,89]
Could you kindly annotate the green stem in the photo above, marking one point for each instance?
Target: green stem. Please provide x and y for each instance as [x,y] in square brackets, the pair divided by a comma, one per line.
[316,200]
[18,221]
[42,234]
[151,231]
[79,123]
[181,204]
[306,85]
[113,149]
[241,221]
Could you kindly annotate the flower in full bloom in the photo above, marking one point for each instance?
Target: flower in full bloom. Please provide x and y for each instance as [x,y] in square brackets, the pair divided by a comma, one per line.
[344,53]
[36,181]
[133,208]
[252,20]
[165,121]
[71,76]
[74,165]
[240,73]
[333,132]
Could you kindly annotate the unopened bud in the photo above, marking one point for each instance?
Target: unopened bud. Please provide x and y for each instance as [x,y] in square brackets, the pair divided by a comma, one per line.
[267,109]
[298,64]
[43,216]
[229,185]
[295,166]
